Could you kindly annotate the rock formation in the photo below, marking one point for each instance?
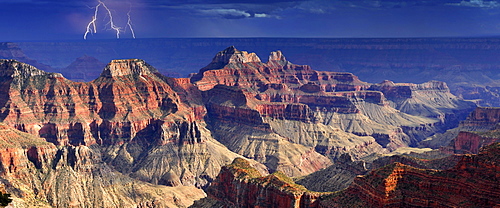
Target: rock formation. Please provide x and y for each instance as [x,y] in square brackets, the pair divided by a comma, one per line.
[130,117]
[85,68]
[470,142]
[285,97]
[473,182]
[471,134]
[240,185]
[244,131]
[483,118]
[37,173]
[343,172]
[150,129]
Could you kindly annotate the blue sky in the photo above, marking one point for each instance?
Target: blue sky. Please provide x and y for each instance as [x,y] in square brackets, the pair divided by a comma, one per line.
[29,20]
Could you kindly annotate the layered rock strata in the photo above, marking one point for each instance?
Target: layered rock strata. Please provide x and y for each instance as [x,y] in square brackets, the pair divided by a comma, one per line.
[244,131]
[38,174]
[342,173]
[286,96]
[473,182]
[240,185]
[483,118]
[131,115]
[471,134]
[471,142]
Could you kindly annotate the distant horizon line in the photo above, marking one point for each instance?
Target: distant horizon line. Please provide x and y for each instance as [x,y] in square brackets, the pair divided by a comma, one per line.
[128,39]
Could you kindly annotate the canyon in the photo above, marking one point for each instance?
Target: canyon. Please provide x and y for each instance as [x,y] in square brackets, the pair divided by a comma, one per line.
[133,136]
[477,130]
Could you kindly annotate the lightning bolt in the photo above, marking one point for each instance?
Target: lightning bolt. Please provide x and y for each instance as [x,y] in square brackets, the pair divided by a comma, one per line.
[111,23]
[91,27]
[92,23]
[129,22]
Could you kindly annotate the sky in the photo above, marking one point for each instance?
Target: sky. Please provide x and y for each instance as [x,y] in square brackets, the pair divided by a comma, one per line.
[36,20]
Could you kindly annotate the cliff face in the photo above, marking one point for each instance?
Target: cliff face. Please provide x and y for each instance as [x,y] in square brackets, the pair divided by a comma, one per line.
[478,130]
[233,67]
[471,183]
[244,131]
[286,96]
[136,121]
[471,142]
[66,112]
[38,173]
[342,173]
[429,99]
[483,118]
[240,185]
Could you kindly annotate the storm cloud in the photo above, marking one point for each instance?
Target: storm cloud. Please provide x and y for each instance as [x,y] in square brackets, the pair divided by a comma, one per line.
[67,19]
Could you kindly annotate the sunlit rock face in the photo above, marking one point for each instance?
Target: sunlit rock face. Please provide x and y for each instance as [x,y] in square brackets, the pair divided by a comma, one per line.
[285,96]
[137,121]
[240,185]
[39,174]
[471,183]
[478,130]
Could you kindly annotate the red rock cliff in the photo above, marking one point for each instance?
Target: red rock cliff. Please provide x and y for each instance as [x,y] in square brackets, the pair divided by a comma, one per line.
[38,174]
[233,67]
[471,142]
[132,112]
[279,90]
[472,183]
[128,97]
[240,185]
[480,129]
[483,118]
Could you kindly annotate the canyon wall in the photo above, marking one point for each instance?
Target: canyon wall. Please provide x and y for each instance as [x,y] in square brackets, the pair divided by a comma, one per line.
[38,173]
[282,93]
[240,185]
[472,182]
[478,130]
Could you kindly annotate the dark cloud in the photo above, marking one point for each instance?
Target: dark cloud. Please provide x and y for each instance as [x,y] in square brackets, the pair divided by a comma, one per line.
[61,2]
[279,3]
[67,19]
[181,2]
